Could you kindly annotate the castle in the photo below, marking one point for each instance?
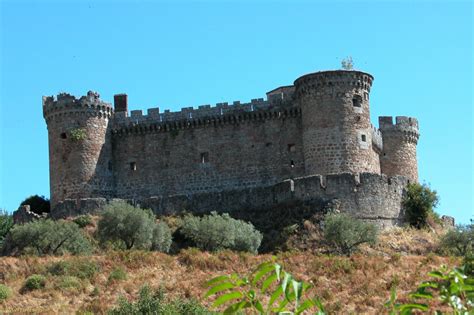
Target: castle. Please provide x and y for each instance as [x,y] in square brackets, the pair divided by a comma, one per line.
[309,140]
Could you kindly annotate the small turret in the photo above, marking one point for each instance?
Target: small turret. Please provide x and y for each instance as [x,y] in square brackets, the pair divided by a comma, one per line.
[399,146]
[79,146]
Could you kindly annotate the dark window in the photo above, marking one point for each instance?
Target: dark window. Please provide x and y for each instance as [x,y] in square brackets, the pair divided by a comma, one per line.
[292,163]
[363,138]
[109,165]
[205,157]
[133,166]
[357,101]
[63,135]
[291,147]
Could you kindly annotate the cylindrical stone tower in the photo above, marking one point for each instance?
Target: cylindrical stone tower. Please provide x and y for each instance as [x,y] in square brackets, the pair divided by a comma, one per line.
[79,146]
[337,133]
[399,146]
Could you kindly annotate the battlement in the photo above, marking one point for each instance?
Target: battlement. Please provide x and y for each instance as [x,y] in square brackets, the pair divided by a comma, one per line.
[65,103]
[322,79]
[404,126]
[188,117]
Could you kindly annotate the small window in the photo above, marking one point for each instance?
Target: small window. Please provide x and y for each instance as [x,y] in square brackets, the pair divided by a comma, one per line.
[133,166]
[291,147]
[292,163]
[63,135]
[268,144]
[357,101]
[109,166]
[363,138]
[204,157]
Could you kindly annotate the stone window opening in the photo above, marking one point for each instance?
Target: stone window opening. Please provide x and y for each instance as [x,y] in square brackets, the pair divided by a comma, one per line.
[109,165]
[133,166]
[357,101]
[292,163]
[364,138]
[63,135]
[291,147]
[204,157]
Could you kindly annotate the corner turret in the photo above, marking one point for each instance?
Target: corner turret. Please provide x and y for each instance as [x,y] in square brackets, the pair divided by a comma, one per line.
[79,146]
[399,146]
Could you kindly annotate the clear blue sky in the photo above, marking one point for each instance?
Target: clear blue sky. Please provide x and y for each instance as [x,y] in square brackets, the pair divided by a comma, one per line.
[177,54]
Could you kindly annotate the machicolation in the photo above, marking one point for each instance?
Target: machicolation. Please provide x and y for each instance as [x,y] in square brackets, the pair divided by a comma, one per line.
[306,141]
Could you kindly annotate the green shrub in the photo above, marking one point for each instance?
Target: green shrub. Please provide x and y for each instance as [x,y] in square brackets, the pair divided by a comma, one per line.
[6,223]
[80,268]
[38,204]
[83,220]
[117,274]
[418,203]
[48,237]
[156,303]
[162,238]
[215,232]
[459,241]
[34,282]
[77,134]
[345,233]
[453,288]
[5,292]
[68,282]
[127,226]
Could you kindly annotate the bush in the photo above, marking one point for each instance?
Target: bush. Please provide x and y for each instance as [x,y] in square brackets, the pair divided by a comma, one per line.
[418,203]
[162,238]
[6,223]
[34,282]
[48,237]
[79,268]
[155,303]
[83,220]
[117,274]
[215,232]
[346,233]
[38,204]
[5,292]
[127,226]
[459,241]
[68,282]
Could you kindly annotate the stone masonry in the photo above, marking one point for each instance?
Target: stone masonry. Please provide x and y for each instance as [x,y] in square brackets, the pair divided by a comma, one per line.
[309,140]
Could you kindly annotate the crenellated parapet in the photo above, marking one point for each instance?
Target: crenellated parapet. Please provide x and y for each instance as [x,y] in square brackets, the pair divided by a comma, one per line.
[205,115]
[405,128]
[67,104]
[319,81]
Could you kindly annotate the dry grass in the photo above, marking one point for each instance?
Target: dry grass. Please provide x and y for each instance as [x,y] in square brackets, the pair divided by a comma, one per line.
[358,284]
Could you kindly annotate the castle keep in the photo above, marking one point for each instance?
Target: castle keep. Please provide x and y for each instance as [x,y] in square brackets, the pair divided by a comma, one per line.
[309,140]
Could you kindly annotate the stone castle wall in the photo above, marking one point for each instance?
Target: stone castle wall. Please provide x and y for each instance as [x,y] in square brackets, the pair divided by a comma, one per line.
[223,152]
[367,196]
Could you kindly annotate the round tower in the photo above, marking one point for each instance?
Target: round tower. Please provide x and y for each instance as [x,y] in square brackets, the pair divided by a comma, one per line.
[337,133]
[399,146]
[79,146]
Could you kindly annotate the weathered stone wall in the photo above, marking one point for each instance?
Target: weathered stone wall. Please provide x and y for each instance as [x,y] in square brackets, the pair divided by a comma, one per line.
[399,146]
[337,133]
[79,168]
[232,151]
[367,196]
